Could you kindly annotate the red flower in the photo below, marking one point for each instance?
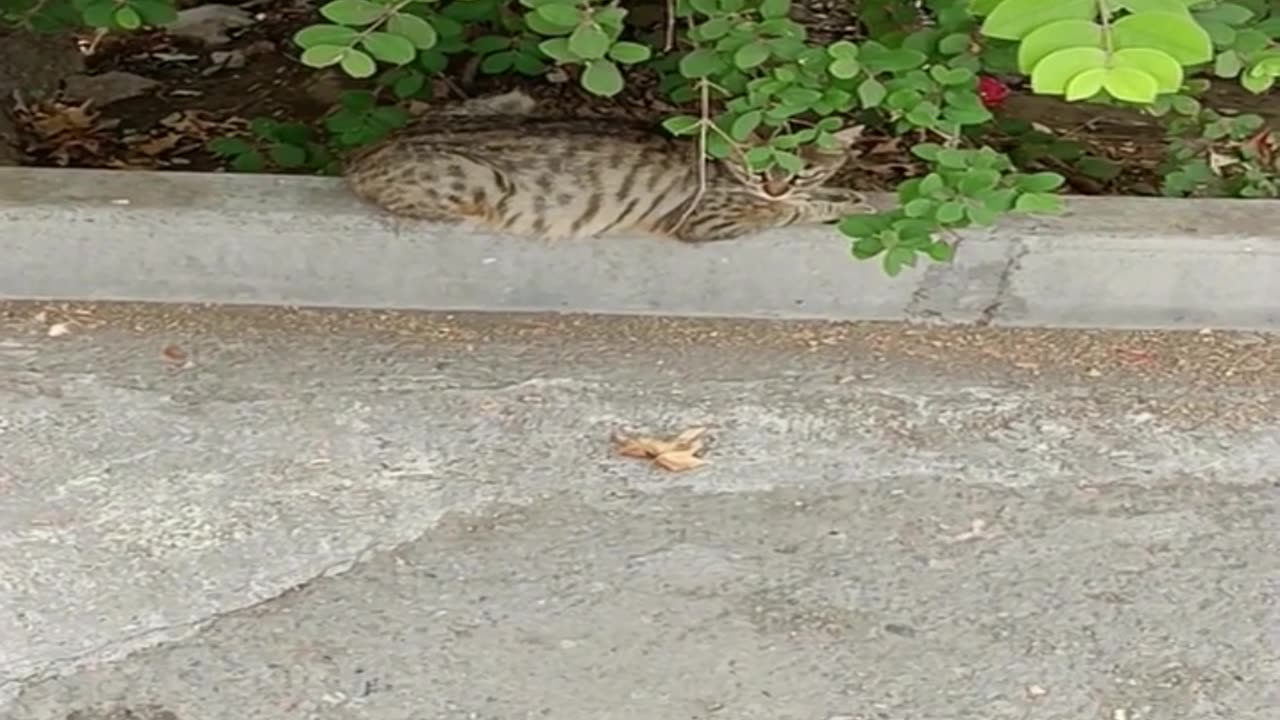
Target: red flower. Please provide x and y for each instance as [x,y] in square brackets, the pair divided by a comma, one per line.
[992,91]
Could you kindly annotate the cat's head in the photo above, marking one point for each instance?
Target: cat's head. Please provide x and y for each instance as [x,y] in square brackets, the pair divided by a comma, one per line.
[820,164]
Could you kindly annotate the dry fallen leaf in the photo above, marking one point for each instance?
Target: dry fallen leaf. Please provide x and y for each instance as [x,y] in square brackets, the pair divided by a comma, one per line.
[59,329]
[675,455]
[158,145]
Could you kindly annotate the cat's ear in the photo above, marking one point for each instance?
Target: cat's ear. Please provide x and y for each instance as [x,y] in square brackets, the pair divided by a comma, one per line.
[850,135]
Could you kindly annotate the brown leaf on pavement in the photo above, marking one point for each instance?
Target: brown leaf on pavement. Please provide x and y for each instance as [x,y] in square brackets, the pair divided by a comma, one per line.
[675,455]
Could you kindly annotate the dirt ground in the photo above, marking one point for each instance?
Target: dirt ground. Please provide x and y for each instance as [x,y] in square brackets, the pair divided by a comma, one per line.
[204,91]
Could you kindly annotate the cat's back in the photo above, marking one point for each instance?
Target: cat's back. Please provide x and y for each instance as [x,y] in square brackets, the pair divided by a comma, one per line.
[514,139]
[547,176]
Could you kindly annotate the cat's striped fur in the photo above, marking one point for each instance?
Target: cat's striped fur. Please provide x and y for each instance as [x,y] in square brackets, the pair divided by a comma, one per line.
[495,165]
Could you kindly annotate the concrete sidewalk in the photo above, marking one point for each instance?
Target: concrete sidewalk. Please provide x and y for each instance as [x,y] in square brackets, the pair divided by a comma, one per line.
[250,514]
[277,240]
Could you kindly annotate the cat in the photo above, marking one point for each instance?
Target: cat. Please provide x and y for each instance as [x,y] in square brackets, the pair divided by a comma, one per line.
[494,163]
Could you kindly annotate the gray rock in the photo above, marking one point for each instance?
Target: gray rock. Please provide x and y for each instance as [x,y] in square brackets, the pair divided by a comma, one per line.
[109,87]
[209,23]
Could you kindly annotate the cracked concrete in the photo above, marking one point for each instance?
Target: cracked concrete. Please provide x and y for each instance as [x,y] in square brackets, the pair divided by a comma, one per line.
[1004,281]
[253,514]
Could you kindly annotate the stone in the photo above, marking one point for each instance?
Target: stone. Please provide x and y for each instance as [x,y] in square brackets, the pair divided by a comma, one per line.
[109,87]
[209,23]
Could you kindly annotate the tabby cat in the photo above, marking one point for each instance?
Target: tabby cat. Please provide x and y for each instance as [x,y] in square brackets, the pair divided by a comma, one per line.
[493,163]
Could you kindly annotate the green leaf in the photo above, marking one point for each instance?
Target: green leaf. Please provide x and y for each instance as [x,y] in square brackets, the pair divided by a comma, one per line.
[751,55]
[1054,72]
[1098,168]
[681,124]
[288,156]
[324,35]
[713,29]
[844,68]
[389,48]
[248,162]
[420,33]
[498,62]
[447,27]
[799,97]
[535,22]
[759,157]
[358,64]
[1257,84]
[788,161]
[1137,6]
[352,12]
[897,258]
[1249,41]
[527,64]
[1014,19]
[1222,34]
[486,44]
[1038,203]
[950,213]
[700,63]
[409,85]
[940,252]
[629,53]
[745,124]
[954,44]
[1156,63]
[931,185]
[1047,39]
[1227,64]
[1086,84]
[1131,85]
[128,18]
[977,180]
[229,146]
[589,42]
[842,50]
[920,207]
[953,159]
[1228,13]
[864,225]
[100,14]
[952,76]
[1177,35]
[878,58]
[981,215]
[559,14]
[1185,105]
[602,77]
[775,8]
[866,248]
[155,12]
[927,151]
[871,93]
[1041,182]
[320,56]
[557,49]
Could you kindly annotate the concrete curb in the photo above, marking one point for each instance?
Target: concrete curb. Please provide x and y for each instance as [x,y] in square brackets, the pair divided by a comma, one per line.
[216,238]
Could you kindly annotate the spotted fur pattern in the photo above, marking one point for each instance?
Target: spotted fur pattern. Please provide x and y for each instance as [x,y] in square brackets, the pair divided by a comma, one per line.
[495,165]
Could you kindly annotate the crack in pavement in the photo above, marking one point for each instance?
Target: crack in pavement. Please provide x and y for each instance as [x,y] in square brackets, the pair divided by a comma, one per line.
[122,648]
[1014,261]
